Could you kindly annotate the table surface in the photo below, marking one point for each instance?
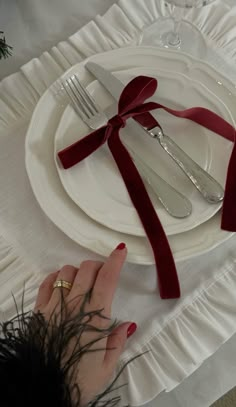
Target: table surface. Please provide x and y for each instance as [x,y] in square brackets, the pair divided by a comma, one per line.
[33,27]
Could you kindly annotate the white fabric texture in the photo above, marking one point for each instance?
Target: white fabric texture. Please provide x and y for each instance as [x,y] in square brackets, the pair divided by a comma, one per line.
[179,334]
[33,26]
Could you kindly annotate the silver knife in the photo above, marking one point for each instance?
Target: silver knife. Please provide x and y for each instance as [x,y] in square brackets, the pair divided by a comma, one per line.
[210,189]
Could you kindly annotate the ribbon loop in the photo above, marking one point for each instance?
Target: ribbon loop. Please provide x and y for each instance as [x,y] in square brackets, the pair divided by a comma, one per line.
[131,104]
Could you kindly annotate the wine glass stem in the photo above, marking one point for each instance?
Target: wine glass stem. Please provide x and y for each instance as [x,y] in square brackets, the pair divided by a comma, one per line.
[173,38]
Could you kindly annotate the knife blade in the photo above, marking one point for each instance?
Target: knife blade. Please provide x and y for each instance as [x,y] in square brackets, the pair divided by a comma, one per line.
[209,188]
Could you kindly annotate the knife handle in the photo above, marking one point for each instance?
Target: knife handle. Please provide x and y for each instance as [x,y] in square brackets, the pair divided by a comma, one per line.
[176,204]
[210,189]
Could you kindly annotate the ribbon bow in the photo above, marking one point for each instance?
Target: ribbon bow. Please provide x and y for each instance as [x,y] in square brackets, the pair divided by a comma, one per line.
[131,104]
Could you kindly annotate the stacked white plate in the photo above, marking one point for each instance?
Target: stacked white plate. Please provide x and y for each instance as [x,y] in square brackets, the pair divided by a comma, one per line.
[89,201]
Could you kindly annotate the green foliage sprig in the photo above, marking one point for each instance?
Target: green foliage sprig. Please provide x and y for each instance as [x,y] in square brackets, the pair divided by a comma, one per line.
[5,49]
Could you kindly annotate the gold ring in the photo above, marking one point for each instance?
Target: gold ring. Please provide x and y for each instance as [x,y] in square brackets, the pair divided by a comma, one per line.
[62,284]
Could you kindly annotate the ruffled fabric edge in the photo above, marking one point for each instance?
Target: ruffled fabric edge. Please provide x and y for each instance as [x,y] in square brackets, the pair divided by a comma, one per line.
[119,27]
[184,343]
[171,355]
[180,339]
[17,276]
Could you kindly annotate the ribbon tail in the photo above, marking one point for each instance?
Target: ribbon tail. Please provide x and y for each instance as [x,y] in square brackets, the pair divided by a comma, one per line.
[166,270]
[228,220]
[81,149]
[207,119]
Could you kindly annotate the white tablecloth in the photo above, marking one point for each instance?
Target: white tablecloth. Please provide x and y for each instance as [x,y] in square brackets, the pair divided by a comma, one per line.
[30,246]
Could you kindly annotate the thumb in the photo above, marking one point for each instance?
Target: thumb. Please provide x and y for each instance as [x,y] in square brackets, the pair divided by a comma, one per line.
[116,342]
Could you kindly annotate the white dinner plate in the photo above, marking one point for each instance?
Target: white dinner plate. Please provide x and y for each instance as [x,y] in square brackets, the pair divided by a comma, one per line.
[61,209]
[95,184]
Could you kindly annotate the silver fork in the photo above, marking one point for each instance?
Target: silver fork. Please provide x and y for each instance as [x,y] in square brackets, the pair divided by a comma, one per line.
[176,204]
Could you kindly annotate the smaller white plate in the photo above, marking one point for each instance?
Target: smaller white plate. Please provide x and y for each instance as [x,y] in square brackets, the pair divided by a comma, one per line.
[95,184]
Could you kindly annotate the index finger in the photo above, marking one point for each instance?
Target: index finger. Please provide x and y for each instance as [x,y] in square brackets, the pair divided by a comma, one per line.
[107,280]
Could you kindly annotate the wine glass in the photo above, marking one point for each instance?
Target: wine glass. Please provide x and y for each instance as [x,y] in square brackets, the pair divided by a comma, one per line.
[174,32]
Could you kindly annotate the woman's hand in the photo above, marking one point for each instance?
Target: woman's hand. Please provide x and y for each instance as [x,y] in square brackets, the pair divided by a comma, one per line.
[93,288]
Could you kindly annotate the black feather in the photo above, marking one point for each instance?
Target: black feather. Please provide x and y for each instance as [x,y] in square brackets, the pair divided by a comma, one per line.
[34,369]
[5,49]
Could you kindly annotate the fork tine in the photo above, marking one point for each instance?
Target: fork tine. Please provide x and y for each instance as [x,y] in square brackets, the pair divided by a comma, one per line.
[73,100]
[77,98]
[86,96]
[83,104]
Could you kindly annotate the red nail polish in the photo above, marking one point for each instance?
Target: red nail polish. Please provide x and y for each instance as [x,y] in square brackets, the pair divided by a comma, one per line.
[120,246]
[131,329]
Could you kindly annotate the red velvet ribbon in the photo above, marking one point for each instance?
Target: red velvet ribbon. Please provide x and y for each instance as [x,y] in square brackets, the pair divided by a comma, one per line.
[131,104]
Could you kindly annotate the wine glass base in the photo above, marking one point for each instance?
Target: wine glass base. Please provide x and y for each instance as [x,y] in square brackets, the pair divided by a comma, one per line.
[189,40]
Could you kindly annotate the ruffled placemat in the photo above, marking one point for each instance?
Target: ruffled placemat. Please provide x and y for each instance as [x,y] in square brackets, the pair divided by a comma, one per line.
[179,334]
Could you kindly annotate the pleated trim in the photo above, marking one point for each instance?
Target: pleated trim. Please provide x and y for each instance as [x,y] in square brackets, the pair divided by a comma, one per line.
[204,325]
[17,275]
[184,343]
[119,27]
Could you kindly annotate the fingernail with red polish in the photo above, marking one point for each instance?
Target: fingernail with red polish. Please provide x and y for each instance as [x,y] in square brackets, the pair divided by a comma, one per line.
[131,329]
[120,246]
